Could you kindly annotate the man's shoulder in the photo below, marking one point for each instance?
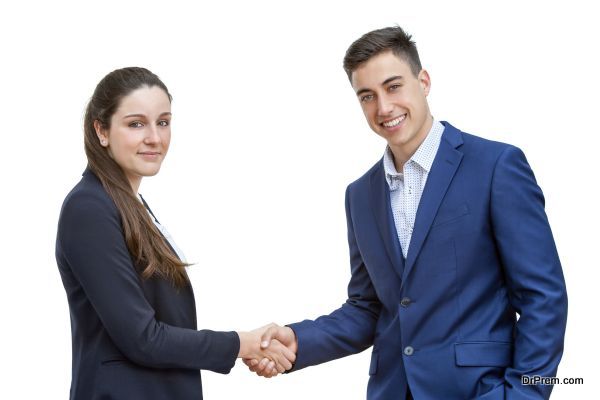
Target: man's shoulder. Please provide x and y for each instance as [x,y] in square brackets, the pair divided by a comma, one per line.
[473,142]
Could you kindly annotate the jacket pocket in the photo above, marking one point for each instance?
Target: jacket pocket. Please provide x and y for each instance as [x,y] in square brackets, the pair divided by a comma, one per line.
[483,354]
[447,216]
[374,362]
[113,360]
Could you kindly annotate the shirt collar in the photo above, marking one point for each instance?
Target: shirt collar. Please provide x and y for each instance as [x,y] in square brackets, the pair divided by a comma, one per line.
[424,155]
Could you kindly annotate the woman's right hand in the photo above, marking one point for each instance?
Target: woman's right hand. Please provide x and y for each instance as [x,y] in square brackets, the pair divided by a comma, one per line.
[280,356]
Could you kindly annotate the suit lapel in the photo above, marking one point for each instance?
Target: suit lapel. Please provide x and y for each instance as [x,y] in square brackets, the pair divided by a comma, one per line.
[380,200]
[442,171]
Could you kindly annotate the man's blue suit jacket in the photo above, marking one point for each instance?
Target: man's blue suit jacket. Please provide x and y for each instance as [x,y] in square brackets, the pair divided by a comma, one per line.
[133,338]
[443,320]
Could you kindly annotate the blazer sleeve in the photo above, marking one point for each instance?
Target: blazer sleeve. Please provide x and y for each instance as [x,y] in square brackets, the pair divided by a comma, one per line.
[533,273]
[93,244]
[349,329]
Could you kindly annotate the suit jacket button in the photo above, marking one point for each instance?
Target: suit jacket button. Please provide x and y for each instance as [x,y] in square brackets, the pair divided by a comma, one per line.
[405,302]
[409,351]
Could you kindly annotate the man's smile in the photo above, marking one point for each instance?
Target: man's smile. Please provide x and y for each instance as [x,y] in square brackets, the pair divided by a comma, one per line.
[394,122]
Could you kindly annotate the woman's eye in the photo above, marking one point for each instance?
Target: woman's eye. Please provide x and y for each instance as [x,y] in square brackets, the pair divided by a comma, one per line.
[136,124]
[163,122]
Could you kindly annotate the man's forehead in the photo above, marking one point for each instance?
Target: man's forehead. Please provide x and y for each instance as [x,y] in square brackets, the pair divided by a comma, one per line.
[379,69]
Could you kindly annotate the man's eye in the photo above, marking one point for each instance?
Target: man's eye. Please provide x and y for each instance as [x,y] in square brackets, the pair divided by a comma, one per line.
[367,97]
[393,88]
[163,122]
[136,124]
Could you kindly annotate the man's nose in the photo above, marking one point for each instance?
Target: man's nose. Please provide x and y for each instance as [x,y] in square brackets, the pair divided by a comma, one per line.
[384,106]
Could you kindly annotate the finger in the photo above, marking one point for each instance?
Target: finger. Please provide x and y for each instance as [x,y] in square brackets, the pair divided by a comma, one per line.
[283,364]
[267,369]
[260,367]
[271,367]
[266,337]
[264,374]
[250,362]
[283,356]
[280,368]
[288,354]
[280,362]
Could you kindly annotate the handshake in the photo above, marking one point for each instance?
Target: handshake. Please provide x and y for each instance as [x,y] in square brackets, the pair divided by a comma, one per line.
[268,351]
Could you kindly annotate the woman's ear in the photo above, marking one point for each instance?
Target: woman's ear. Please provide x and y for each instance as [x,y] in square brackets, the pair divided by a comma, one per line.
[101,133]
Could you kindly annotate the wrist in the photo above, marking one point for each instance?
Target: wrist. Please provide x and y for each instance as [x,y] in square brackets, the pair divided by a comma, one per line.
[245,344]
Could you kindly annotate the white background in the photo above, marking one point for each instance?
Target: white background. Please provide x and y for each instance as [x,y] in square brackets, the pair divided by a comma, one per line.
[266,135]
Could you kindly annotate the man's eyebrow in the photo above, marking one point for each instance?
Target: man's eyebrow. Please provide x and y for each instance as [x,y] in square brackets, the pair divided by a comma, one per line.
[392,78]
[361,91]
[385,82]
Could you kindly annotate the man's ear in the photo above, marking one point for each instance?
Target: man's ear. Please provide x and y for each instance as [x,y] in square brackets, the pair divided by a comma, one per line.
[424,81]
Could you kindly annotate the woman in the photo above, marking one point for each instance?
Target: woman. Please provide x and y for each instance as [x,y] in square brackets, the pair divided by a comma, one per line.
[133,317]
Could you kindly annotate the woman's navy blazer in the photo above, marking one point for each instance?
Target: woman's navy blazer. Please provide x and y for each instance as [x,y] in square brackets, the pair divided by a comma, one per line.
[133,338]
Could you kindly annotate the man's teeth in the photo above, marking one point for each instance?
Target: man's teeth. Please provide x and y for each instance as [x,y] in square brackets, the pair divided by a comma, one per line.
[394,122]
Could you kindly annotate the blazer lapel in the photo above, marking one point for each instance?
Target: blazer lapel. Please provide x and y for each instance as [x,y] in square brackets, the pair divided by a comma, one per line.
[380,201]
[442,171]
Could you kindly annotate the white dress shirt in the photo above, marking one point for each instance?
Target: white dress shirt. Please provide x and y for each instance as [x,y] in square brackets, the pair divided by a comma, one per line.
[406,187]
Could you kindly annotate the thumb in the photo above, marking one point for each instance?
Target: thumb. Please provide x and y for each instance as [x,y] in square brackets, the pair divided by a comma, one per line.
[267,336]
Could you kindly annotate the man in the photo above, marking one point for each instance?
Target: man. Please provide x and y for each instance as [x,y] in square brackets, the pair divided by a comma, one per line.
[448,242]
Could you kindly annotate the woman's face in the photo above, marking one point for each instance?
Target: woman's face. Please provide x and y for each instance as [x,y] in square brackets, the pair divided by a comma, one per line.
[140,133]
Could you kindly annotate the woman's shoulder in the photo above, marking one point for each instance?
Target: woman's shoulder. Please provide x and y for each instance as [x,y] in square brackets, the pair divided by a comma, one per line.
[88,196]
[88,215]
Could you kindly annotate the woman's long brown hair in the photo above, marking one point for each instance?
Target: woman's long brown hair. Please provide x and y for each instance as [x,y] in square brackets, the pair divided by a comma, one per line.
[148,247]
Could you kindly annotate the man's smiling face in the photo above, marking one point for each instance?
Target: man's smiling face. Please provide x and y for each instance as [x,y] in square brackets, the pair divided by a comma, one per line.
[394,100]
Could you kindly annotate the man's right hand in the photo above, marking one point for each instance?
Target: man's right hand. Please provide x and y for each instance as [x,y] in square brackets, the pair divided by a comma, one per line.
[283,334]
